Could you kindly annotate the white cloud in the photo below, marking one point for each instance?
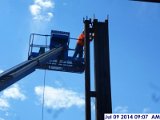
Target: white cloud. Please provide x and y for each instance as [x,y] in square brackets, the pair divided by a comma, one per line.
[3,104]
[13,93]
[1,71]
[35,9]
[44,3]
[59,98]
[49,16]
[121,109]
[41,10]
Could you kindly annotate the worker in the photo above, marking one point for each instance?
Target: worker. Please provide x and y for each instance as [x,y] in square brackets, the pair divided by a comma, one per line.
[80,44]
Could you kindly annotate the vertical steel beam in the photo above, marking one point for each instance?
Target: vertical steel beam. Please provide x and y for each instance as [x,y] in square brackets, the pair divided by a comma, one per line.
[87,70]
[102,69]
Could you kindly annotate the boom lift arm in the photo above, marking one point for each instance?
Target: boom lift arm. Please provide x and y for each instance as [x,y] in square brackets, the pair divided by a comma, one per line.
[51,56]
[18,72]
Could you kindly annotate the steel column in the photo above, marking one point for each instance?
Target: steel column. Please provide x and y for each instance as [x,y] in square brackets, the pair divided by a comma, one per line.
[87,71]
[102,69]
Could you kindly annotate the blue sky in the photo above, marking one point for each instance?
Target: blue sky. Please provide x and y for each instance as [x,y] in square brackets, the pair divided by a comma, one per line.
[134,55]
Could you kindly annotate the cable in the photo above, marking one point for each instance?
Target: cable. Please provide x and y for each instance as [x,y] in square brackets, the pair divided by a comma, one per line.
[43,99]
[44,84]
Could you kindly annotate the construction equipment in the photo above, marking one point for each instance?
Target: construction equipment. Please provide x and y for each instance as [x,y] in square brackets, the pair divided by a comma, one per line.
[52,55]
[55,55]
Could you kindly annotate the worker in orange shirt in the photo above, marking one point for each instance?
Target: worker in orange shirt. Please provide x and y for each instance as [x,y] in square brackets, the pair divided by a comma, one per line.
[79,46]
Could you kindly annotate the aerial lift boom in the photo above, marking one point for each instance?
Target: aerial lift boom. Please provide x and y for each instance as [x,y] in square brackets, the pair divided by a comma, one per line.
[18,72]
[53,56]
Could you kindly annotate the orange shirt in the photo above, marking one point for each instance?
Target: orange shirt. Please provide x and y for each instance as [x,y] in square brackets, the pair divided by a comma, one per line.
[81,39]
